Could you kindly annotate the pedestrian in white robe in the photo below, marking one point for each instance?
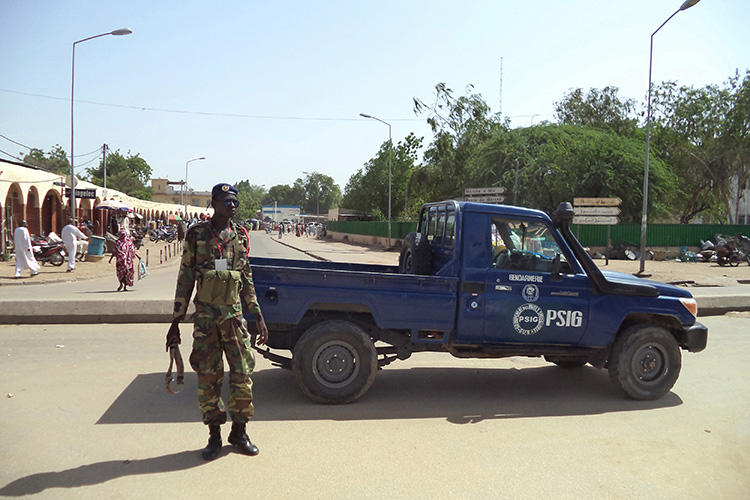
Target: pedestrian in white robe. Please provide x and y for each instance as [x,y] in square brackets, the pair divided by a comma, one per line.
[24,253]
[70,236]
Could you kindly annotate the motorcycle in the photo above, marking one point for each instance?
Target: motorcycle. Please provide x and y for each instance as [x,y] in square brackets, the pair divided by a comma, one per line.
[164,233]
[47,251]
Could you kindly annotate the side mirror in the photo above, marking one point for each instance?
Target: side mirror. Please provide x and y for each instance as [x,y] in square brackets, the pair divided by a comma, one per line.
[556,268]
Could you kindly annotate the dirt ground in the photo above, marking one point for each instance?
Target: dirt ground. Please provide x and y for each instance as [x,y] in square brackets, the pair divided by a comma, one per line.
[687,273]
[93,267]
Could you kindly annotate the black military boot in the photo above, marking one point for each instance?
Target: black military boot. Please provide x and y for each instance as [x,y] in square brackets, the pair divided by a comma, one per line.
[238,438]
[213,447]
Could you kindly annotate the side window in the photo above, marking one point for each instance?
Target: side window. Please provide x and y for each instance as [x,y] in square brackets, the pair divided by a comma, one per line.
[440,228]
[431,224]
[423,222]
[450,229]
[524,246]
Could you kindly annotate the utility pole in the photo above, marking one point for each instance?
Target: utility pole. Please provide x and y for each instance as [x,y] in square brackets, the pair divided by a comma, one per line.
[104,160]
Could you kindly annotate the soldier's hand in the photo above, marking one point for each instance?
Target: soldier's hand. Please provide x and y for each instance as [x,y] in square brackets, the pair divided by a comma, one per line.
[260,324]
[173,335]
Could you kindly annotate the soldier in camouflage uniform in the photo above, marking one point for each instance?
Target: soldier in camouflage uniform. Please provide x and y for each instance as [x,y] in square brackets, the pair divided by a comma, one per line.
[216,257]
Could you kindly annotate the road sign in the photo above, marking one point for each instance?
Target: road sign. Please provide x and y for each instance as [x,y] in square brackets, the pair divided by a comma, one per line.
[82,193]
[484,191]
[597,202]
[604,220]
[597,210]
[486,199]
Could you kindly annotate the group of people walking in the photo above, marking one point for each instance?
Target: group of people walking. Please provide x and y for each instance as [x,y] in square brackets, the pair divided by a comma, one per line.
[71,235]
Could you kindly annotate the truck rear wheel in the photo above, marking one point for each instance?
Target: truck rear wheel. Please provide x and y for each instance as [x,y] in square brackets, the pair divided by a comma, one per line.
[416,255]
[334,362]
[645,361]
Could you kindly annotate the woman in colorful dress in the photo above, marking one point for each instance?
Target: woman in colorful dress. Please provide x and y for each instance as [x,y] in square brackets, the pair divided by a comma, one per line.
[125,253]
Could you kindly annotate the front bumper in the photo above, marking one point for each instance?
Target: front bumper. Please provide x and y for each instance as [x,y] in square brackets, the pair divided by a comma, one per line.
[694,338]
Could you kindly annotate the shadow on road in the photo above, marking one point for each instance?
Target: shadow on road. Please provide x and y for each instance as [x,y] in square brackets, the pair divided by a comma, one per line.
[100,472]
[459,395]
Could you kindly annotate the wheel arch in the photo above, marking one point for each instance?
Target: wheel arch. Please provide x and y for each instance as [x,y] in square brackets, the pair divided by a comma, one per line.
[670,323]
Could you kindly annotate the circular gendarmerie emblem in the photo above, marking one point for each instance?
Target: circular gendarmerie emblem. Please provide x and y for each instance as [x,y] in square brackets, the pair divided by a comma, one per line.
[530,293]
[225,188]
[528,319]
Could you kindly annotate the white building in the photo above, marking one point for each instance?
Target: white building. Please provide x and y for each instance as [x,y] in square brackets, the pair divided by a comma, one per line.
[278,213]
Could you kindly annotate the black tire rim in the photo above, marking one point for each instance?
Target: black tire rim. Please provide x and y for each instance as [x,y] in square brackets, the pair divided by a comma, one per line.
[335,364]
[649,364]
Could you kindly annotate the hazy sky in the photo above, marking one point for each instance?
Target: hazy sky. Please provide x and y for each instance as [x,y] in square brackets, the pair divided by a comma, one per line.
[299,73]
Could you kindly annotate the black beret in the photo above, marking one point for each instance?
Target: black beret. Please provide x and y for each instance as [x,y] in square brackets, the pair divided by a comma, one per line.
[223,188]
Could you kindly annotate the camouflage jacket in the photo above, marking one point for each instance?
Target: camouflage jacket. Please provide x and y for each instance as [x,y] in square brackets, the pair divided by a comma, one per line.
[202,248]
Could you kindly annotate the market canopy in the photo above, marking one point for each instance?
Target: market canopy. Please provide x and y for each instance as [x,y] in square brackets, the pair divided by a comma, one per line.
[114,205]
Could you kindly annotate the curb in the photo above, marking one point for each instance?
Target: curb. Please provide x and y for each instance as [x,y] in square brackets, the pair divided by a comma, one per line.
[306,252]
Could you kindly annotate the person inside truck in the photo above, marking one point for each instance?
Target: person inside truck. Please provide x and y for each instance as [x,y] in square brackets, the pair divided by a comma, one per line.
[526,246]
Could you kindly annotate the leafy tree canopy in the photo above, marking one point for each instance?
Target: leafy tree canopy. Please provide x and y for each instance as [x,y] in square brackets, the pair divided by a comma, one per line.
[129,174]
[602,109]
[56,160]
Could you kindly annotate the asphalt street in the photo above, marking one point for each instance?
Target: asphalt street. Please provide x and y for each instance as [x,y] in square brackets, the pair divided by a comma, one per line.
[85,414]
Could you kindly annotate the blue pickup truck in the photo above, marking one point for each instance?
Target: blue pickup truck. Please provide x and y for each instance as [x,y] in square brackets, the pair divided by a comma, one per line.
[475,281]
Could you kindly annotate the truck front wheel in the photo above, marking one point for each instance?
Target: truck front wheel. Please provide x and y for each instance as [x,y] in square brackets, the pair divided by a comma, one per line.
[334,362]
[645,361]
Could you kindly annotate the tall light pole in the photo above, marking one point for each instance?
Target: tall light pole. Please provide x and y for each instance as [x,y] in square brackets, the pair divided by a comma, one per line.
[120,32]
[390,160]
[184,186]
[685,5]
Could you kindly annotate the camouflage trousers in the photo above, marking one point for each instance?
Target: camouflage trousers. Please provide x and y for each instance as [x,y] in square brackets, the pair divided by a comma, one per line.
[212,340]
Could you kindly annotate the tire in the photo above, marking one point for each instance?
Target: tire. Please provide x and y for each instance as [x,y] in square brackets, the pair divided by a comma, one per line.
[636,346]
[334,362]
[56,259]
[416,255]
[734,260]
[565,362]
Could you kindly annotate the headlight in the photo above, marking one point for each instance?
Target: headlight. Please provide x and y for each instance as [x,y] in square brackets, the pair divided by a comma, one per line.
[691,305]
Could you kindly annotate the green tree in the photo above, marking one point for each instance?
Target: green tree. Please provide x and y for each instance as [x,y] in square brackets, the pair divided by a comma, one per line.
[367,189]
[284,194]
[687,126]
[129,174]
[602,109]
[56,160]
[735,136]
[460,125]
[320,193]
[558,162]
[250,197]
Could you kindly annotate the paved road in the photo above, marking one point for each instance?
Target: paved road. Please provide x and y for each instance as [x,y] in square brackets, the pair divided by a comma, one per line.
[91,419]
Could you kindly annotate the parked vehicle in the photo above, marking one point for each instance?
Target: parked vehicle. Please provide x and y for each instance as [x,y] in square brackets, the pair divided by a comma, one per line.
[475,281]
[47,251]
[164,233]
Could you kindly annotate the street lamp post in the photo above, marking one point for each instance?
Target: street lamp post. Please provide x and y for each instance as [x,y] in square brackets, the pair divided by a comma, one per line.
[685,5]
[120,32]
[390,161]
[184,185]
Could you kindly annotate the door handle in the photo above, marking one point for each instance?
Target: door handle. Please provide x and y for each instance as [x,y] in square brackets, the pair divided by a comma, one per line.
[503,288]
